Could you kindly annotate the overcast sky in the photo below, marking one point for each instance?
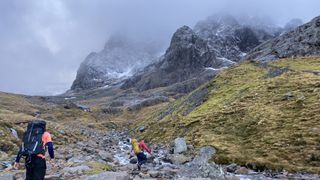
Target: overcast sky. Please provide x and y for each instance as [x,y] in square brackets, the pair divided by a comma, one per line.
[43,42]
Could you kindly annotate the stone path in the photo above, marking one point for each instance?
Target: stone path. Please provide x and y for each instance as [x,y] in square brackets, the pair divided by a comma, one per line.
[109,156]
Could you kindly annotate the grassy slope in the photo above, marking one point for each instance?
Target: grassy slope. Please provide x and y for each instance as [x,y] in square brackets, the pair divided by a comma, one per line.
[253,115]
[63,124]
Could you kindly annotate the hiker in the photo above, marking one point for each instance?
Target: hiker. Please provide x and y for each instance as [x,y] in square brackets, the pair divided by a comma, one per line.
[139,149]
[35,142]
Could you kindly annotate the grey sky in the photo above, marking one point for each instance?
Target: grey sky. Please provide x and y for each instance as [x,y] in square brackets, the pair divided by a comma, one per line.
[43,42]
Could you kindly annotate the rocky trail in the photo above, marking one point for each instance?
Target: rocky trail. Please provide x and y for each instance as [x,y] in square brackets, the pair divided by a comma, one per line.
[109,156]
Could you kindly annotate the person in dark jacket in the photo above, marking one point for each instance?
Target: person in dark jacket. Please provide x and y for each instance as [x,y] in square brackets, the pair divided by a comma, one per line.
[36,165]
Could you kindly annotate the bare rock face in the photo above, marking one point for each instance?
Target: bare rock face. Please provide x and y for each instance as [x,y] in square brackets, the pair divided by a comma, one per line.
[188,56]
[196,55]
[302,41]
[120,58]
[232,38]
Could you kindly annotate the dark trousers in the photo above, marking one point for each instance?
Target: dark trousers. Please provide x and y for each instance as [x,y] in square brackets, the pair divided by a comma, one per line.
[142,158]
[36,169]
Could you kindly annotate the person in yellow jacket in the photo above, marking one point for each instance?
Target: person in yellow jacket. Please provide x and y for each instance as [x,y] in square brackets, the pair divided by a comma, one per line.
[138,149]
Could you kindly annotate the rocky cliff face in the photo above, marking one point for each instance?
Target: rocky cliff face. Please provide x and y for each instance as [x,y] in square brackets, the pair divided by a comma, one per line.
[120,58]
[195,56]
[232,38]
[189,56]
[302,41]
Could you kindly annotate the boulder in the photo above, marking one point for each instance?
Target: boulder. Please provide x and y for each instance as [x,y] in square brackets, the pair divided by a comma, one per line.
[178,159]
[231,168]
[133,160]
[153,174]
[110,176]
[205,154]
[180,145]
[142,128]
[104,155]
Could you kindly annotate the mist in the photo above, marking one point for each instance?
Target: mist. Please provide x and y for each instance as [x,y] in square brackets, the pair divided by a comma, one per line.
[43,42]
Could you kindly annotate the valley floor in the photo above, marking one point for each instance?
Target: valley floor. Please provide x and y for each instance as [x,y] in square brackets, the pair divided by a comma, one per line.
[254,115]
[108,155]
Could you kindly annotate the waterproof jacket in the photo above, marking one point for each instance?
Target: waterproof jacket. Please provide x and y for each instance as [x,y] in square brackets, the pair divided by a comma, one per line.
[144,147]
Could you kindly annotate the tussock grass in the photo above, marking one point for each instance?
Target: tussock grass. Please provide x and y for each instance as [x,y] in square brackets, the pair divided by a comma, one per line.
[272,122]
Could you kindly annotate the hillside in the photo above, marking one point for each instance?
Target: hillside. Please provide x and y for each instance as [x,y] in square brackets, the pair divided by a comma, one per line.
[254,114]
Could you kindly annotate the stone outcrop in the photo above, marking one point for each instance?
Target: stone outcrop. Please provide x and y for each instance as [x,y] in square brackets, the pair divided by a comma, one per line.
[302,41]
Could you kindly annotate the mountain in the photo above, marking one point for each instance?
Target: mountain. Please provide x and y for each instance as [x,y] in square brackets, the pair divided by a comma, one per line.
[120,58]
[196,55]
[232,38]
[189,56]
[292,24]
[301,41]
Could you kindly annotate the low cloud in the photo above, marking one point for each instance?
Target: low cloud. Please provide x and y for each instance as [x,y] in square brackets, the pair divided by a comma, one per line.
[43,42]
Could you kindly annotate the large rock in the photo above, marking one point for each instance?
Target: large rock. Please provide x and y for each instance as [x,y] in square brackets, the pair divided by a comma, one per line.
[205,154]
[201,167]
[178,159]
[106,156]
[302,41]
[180,145]
[110,176]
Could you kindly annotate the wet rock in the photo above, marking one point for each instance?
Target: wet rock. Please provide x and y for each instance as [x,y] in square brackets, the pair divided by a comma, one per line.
[110,176]
[180,145]
[142,128]
[133,160]
[7,177]
[5,164]
[14,133]
[104,155]
[231,168]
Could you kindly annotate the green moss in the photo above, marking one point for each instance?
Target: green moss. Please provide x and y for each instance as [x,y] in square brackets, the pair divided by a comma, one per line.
[300,64]
[97,167]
